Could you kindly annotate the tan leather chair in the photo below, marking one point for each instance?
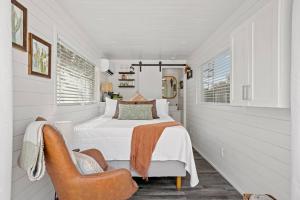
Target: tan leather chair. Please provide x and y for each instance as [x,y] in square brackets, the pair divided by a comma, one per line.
[71,185]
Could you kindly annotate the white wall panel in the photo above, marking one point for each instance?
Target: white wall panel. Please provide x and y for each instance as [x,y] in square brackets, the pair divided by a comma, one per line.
[255,141]
[295,103]
[5,100]
[35,96]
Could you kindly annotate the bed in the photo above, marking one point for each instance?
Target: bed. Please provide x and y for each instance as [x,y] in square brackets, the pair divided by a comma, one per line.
[173,155]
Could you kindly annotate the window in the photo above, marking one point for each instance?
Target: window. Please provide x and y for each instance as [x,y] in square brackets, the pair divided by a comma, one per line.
[216,79]
[75,77]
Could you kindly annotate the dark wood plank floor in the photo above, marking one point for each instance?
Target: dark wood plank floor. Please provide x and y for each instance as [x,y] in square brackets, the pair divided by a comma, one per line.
[212,186]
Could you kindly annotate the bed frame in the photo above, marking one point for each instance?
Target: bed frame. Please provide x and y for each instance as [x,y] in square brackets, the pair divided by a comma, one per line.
[157,169]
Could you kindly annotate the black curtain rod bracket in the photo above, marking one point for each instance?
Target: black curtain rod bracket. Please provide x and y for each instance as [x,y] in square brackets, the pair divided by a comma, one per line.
[160,66]
[140,64]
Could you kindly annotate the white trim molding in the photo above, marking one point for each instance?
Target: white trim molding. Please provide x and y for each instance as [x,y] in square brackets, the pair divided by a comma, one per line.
[5,100]
[295,104]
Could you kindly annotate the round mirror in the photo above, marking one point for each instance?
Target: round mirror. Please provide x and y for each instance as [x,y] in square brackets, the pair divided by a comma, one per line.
[169,87]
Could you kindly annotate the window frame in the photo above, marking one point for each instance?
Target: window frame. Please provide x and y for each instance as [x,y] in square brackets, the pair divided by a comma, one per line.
[200,93]
[70,48]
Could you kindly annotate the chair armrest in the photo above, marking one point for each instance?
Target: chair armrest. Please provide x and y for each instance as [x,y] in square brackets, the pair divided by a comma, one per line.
[112,185]
[76,150]
[97,155]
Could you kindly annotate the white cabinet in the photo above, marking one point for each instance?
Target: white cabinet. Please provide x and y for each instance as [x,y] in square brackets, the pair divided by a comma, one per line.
[264,74]
[241,64]
[260,58]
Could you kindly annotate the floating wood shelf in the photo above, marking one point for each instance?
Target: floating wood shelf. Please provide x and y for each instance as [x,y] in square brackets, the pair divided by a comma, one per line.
[126,79]
[128,86]
[126,72]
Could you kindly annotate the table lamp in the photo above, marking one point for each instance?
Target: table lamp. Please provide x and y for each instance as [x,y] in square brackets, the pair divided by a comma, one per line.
[106,88]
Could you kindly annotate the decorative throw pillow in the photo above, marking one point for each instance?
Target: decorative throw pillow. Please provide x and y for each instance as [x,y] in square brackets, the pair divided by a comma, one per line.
[40,119]
[86,164]
[153,102]
[135,112]
[138,97]
[110,107]
[162,107]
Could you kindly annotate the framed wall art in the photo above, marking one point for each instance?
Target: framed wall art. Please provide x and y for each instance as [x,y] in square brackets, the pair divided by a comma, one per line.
[19,25]
[39,57]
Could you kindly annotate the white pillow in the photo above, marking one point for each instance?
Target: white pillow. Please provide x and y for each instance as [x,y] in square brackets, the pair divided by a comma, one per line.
[86,164]
[162,107]
[110,107]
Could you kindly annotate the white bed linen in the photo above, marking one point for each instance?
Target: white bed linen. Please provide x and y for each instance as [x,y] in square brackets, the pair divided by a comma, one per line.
[113,138]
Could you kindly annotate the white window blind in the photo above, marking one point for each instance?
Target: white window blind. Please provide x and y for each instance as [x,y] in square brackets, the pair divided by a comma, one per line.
[75,77]
[216,79]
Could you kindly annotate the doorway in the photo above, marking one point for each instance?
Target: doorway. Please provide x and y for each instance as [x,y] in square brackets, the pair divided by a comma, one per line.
[173,89]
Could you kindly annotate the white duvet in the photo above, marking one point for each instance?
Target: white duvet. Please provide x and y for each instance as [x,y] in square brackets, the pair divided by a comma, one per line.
[113,138]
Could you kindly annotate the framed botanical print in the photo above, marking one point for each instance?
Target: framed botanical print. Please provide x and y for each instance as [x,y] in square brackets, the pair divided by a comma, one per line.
[39,57]
[19,25]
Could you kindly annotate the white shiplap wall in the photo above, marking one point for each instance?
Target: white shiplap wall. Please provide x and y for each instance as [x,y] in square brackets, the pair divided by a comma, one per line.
[255,141]
[35,96]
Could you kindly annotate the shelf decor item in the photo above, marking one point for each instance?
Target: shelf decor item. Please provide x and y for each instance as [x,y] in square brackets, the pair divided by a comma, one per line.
[106,88]
[117,96]
[126,79]
[39,57]
[19,25]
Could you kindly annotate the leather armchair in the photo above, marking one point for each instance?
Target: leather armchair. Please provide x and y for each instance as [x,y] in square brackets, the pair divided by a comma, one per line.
[71,185]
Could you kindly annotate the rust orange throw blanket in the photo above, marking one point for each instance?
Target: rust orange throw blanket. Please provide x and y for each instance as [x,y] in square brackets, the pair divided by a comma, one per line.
[143,142]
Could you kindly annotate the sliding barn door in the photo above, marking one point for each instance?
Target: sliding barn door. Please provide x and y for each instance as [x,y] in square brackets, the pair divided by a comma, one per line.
[150,83]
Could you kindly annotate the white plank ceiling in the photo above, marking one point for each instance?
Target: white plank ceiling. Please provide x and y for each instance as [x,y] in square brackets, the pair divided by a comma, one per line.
[149,29]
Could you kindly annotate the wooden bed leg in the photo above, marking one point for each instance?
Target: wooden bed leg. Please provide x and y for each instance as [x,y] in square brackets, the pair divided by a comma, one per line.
[178,183]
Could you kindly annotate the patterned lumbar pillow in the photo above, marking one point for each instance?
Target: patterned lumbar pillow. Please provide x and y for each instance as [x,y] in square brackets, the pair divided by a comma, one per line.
[86,164]
[153,103]
[135,112]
